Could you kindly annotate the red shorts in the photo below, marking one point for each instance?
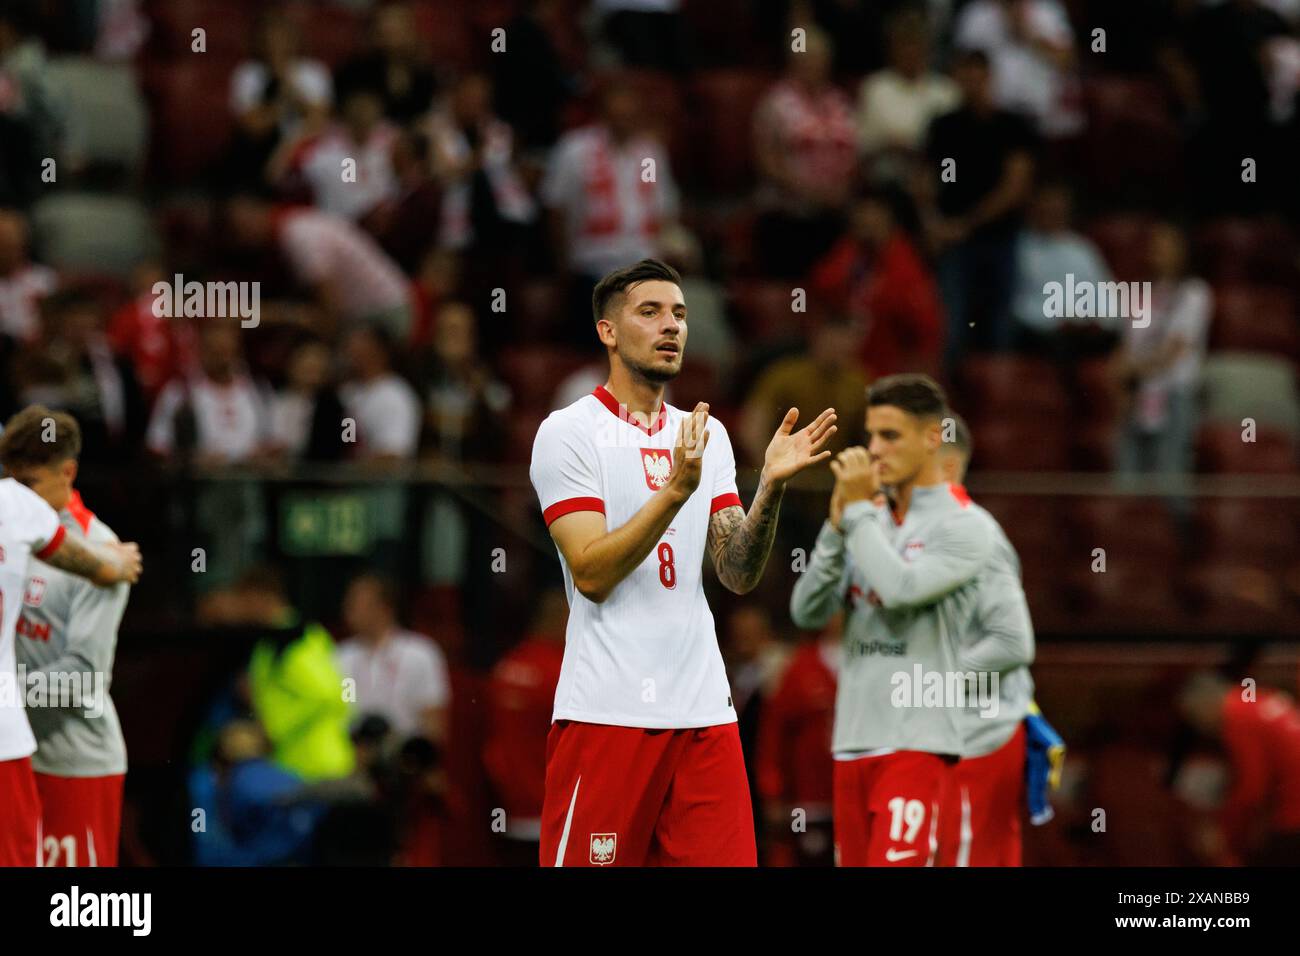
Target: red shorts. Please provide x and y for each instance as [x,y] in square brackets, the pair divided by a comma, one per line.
[887,808]
[81,819]
[20,814]
[624,796]
[980,822]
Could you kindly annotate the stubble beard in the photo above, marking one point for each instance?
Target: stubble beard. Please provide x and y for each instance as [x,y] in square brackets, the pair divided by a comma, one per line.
[651,374]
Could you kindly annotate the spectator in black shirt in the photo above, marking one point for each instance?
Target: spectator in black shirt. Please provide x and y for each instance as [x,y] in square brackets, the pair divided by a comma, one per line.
[1229,45]
[971,189]
[395,67]
[465,407]
[74,369]
[306,413]
[530,81]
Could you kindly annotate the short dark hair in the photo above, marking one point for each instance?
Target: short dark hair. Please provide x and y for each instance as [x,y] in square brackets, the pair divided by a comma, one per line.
[24,440]
[918,395]
[620,280]
[962,442]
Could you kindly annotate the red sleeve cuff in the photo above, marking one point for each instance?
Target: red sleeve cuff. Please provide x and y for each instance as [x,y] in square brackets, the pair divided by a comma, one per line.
[725,501]
[570,505]
[53,544]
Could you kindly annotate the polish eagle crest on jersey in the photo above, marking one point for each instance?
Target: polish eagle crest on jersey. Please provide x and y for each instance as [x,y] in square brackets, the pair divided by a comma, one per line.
[658,464]
[603,848]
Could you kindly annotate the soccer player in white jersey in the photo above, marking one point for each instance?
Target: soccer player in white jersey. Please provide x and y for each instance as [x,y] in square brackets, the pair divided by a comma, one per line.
[29,526]
[643,763]
[67,636]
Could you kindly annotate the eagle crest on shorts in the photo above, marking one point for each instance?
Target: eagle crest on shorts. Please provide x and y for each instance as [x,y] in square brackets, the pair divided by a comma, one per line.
[603,847]
[658,464]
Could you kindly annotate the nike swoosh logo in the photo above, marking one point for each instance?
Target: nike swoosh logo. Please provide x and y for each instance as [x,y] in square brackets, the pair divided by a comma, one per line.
[893,856]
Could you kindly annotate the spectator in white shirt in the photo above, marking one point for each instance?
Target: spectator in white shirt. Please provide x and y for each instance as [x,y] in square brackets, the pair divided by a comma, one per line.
[805,148]
[1030,45]
[1050,251]
[896,104]
[606,209]
[348,167]
[1159,364]
[398,674]
[218,415]
[384,406]
[274,96]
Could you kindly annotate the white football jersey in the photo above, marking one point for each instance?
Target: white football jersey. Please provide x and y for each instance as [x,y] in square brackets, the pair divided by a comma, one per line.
[27,526]
[648,655]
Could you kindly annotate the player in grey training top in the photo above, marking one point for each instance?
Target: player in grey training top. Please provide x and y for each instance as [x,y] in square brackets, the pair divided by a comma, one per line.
[67,635]
[908,576]
[980,823]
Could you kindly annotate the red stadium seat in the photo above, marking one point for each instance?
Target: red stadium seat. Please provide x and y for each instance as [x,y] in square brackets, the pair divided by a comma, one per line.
[330,33]
[1096,391]
[1032,522]
[1123,241]
[1220,448]
[541,309]
[1132,142]
[447,29]
[191,121]
[723,32]
[1020,443]
[994,385]
[722,103]
[523,430]
[1256,319]
[227,25]
[1092,446]
[1247,250]
[1257,531]
[533,372]
[1095,419]
[1136,533]
[1125,597]
[763,311]
[1234,598]
[738,242]
[487,15]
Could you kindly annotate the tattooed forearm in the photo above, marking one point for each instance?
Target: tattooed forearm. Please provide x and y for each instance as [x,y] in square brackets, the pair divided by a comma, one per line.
[76,558]
[740,543]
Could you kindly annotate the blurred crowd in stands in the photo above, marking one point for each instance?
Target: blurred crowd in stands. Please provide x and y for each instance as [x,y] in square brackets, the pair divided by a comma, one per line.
[425,193]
